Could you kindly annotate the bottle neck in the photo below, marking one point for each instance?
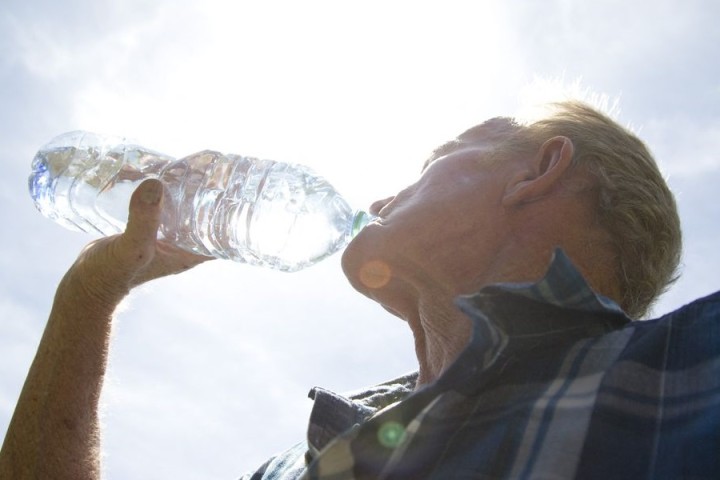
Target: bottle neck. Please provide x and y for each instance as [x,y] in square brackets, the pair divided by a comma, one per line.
[360,219]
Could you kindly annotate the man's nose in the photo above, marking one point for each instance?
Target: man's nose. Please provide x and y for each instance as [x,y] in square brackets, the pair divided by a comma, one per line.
[378,205]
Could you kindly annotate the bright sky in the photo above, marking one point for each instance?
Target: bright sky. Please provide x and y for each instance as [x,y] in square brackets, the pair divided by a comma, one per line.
[210,370]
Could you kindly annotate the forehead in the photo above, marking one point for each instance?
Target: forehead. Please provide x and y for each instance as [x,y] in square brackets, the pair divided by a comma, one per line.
[488,133]
[493,130]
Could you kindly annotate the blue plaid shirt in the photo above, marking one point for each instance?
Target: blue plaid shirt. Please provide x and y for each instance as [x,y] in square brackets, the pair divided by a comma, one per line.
[556,382]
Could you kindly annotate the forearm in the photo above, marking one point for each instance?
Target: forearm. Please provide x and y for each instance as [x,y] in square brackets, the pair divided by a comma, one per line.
[54,432]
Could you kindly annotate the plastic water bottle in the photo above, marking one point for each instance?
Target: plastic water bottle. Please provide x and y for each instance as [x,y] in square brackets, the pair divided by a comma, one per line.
[259,212]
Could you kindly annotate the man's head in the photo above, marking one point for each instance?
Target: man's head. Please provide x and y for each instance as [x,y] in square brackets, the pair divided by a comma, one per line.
[492,204]
[634,204]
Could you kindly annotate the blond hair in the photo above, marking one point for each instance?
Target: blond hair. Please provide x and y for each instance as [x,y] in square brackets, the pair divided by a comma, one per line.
[635,205]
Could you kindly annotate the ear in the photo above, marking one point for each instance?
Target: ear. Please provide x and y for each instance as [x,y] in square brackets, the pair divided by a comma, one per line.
[542,174]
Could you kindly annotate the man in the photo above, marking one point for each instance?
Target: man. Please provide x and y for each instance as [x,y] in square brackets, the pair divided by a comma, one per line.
[512,259]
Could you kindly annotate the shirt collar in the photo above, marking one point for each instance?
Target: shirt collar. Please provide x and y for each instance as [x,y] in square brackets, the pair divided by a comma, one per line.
[333,414]
[561,307]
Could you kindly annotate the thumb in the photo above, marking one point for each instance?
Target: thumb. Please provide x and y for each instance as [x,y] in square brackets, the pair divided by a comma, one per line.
[138,241]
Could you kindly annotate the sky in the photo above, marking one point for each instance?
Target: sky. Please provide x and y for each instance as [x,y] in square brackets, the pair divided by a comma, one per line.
[210,370]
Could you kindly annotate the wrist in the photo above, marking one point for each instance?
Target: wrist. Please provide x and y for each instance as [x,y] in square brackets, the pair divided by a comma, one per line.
[93,294]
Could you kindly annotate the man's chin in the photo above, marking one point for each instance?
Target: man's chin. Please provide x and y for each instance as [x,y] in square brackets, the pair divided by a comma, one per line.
[393,312]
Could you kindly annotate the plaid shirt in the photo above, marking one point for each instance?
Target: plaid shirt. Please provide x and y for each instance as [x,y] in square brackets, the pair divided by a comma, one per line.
[556,382]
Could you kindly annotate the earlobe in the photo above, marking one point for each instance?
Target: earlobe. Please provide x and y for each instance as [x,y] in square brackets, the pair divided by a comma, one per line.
[542,174]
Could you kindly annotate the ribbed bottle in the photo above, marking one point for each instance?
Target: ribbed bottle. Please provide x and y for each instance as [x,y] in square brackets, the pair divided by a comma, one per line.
[261,212]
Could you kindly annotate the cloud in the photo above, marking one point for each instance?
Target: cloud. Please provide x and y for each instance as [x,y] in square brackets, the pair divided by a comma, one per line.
[685,145]
[210,369]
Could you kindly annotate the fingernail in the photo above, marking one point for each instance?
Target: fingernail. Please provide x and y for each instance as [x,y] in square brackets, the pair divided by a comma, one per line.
[152,193]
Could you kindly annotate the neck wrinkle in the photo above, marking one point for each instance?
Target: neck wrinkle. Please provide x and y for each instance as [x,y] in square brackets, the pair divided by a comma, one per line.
[441,332]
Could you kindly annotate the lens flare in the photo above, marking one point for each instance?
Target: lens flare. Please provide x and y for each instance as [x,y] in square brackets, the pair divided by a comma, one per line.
[375,274]
[391,434]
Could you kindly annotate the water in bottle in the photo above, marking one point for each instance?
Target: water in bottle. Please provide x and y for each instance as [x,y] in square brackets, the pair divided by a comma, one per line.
[250,210]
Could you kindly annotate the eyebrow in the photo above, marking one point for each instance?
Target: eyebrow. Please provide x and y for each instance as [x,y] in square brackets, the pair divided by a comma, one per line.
[442,150]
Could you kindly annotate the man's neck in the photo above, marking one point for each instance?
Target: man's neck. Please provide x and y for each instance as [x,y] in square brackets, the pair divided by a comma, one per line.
[441,332]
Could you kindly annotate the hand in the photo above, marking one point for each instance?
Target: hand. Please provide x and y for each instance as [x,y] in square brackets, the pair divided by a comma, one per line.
[110,267]
[54,431]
